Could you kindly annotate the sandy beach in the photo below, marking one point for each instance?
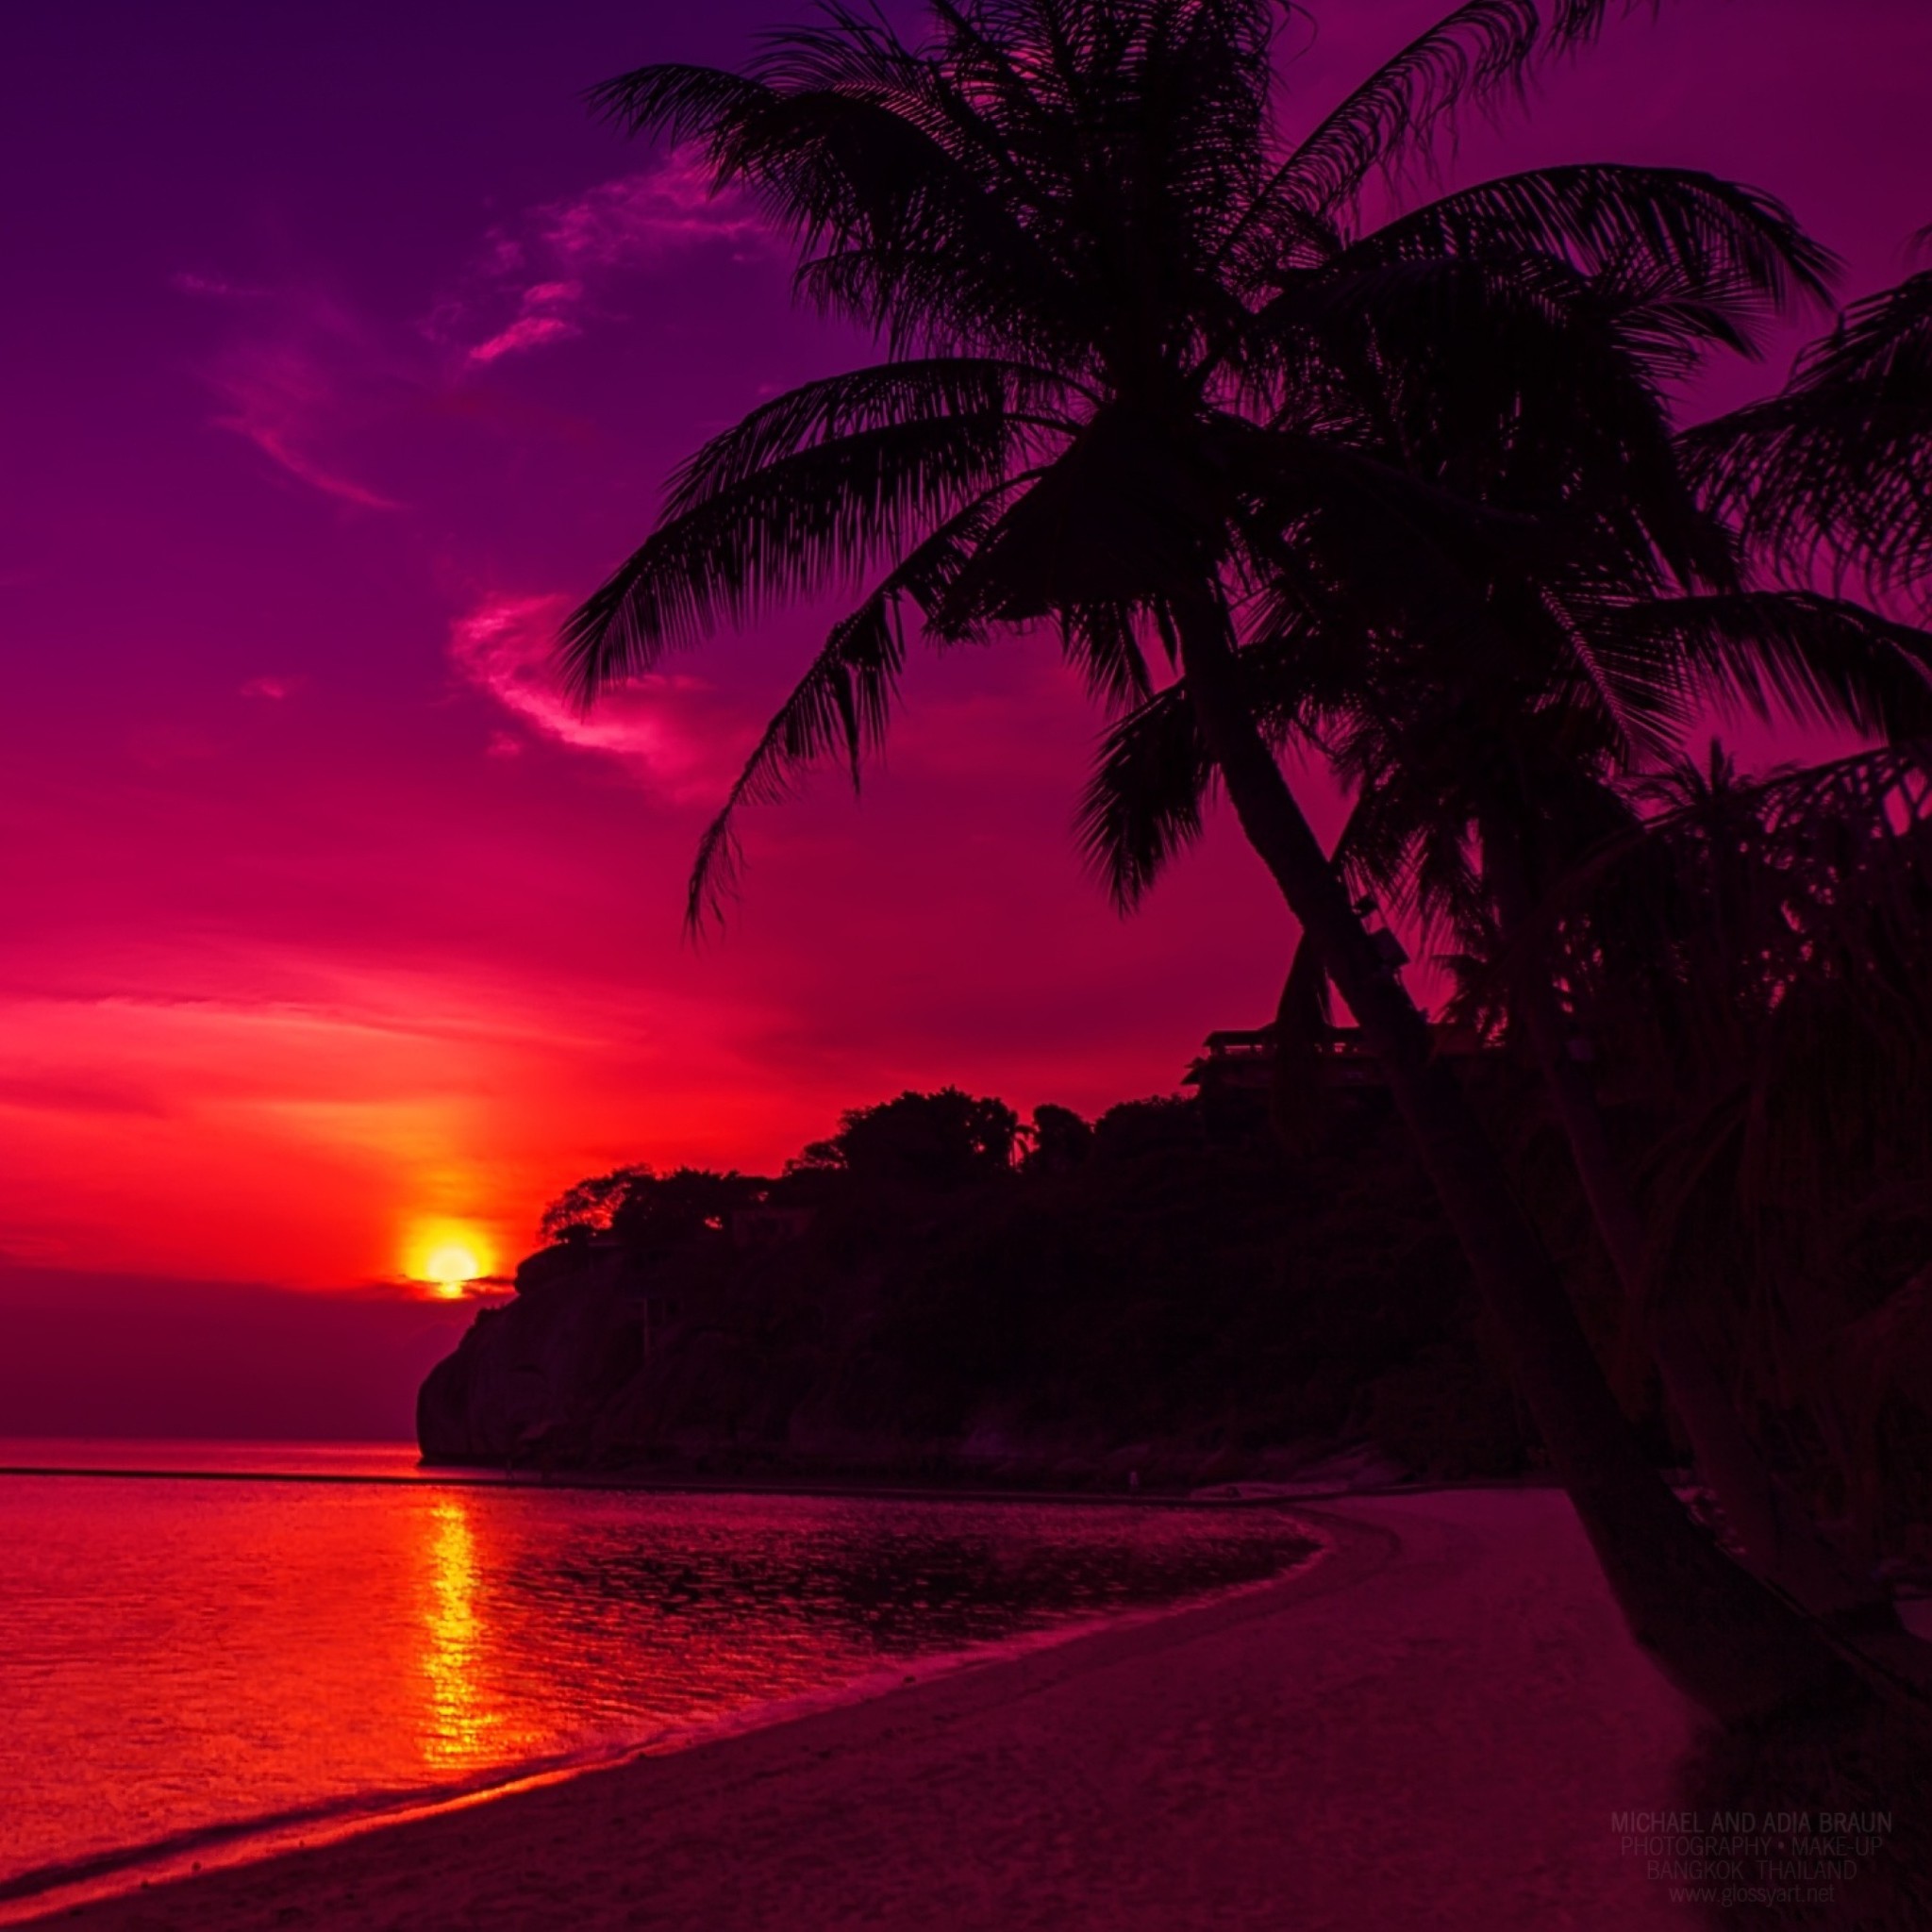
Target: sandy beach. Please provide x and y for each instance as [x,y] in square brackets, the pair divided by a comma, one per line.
[1432,1726]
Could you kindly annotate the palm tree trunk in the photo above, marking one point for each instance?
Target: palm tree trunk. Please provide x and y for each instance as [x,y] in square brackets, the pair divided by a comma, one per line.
[1781,1543]
[1727,1641]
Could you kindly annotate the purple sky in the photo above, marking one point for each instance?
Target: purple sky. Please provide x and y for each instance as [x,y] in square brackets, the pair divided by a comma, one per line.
[341,352]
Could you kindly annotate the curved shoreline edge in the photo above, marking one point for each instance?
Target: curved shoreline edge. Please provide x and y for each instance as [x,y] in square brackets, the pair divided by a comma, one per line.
[1436,1716]
[122,1873]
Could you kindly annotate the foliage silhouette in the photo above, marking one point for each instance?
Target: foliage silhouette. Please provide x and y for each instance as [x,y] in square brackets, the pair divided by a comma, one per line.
[1149,378]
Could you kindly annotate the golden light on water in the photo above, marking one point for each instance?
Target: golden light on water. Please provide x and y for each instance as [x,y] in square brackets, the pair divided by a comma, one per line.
[461,1728]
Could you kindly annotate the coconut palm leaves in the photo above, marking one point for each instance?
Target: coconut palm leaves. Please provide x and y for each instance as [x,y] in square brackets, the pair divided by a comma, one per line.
[1837,467]
[1135,343]
[1754,960]
[1204,416]
[1433,741]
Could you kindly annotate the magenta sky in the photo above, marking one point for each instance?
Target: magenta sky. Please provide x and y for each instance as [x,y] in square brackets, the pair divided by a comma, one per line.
[340,351]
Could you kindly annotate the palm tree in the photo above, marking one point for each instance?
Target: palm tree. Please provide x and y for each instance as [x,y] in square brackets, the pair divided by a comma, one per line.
[1758,957]
[1837,467]
[1122,324]
[1478,782]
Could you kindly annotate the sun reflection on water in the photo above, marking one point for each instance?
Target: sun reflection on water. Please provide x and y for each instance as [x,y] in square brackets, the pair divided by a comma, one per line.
[254,1648]
[461,1732]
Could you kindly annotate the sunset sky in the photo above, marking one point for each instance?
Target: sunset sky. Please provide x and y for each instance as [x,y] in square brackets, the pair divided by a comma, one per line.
[342,352]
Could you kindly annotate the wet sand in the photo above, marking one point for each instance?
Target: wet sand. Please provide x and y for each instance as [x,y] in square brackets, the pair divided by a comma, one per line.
[1432,1726]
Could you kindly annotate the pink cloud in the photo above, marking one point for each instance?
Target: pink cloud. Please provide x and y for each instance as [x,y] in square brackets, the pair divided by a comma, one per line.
[309,374]
[291,396]
[526,332]
[548,264]
[304,375]
[655,724]
[639,215]
[272,688]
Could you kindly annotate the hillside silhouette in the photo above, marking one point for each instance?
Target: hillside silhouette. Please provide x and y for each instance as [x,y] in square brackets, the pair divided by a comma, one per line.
[937,1290]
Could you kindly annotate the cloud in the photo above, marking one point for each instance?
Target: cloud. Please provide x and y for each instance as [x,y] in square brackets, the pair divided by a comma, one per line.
[669,206]
[526,332]
[273,689]
[545,269]
[302,386]
[656,723]
[283,397]
[304,377]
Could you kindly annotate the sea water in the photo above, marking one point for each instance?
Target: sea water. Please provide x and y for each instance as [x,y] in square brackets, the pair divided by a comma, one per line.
[202,1644]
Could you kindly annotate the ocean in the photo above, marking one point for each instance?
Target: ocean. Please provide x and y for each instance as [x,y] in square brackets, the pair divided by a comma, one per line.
[213,1650]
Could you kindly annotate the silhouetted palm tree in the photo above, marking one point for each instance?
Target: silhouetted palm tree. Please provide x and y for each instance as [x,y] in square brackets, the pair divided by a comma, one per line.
[1759,958]
[1478,779]
[1837,467]
[1137,351]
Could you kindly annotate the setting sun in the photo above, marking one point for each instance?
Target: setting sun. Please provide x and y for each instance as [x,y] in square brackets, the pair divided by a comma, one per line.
[449,1259]
[449,1268]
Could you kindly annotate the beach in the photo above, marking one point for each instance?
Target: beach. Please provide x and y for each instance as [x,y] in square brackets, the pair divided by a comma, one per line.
[1432,1726]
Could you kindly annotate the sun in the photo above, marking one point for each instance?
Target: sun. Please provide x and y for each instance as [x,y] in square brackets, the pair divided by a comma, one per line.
[451,1259]
[450,1267]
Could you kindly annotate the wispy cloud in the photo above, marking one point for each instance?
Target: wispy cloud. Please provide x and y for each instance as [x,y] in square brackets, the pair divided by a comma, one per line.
[272,400]
[669,206]
[539,278]
[304,377]
[298,386]
[525,332]
[662,725]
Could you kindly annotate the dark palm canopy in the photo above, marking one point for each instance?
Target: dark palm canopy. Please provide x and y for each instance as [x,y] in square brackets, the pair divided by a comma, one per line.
[1761,952]
[1755,958]
[1444,749]
[1150,378]
[1138,343]
[1837,467]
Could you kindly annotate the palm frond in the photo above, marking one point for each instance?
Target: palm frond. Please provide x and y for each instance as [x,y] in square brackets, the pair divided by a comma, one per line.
[1840,462]
[897,218]
[1677,228]
[925,389]
[784,530]
[1807,655]
[1102,642]
[1483,47]
[842,704]
[1523,387]
[1143,801]
[1142,805]
[680,101]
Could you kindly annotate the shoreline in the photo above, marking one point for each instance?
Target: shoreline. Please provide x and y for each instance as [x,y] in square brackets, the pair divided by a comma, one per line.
[123,1873]
[1389,1733]
[1287,1493]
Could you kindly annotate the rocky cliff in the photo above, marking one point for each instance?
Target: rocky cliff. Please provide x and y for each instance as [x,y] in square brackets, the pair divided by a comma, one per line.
[529,1377]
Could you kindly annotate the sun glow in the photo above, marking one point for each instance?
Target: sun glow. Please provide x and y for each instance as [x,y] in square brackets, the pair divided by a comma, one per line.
[448,1260]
